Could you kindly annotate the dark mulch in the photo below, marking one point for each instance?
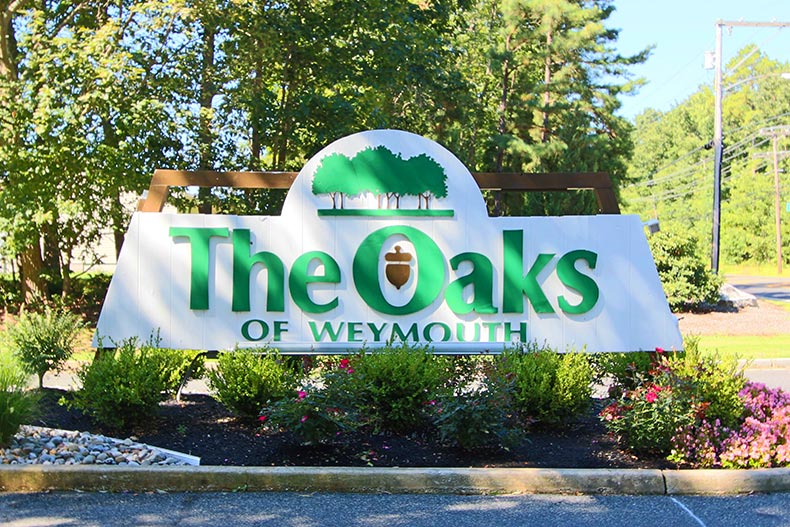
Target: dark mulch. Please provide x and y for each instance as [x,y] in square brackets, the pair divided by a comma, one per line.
[200,426]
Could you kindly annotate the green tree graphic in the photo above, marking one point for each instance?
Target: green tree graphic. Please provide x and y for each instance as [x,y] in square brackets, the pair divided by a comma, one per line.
[380,172]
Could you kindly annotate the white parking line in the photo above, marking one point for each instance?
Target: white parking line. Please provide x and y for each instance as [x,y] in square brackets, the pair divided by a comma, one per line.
[688,511]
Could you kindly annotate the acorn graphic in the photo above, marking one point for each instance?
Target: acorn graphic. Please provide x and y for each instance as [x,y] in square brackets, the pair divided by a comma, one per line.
[398,269]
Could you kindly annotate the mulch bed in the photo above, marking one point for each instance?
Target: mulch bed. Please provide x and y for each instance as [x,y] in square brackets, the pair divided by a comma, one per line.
[200,426]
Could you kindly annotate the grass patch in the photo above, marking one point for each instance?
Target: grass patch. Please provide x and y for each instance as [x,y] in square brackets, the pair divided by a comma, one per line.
[764,269]
[747,346]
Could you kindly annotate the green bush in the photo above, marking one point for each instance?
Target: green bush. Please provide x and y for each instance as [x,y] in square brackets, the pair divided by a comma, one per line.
[17,405]
[687,280]
[316,413]
[548,387]
[10,293]
[44,341]
[246,380]
[124,386]
[393,386]
[477,418]
[677,391]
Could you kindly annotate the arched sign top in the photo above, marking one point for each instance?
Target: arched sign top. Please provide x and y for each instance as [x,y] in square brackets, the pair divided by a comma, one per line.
[385,174]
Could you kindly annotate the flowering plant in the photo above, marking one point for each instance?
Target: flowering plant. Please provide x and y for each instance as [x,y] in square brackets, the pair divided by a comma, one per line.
[314,415]
[760,439]
[675,394]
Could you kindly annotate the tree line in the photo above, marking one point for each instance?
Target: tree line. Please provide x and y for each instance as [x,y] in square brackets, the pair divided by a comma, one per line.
[670,176]
[94,95]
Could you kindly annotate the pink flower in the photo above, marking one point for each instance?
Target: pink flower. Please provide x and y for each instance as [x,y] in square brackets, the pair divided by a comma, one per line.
[344,364]
[262,418]
[350,370]
[304,418]
[302,394]
[659,350]
[651,396]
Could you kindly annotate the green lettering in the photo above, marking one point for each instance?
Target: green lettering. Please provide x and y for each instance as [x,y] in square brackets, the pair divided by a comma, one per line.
[446,332]
[354,331]
[522,332]
[243,263]
[576,280]
[430,275]
[326,329]
[263,327]
[397,332]
[280,327]
[376,330]
[461,328]
[300,278]
[481,279]
[199,239]
[492,327]
[515,283]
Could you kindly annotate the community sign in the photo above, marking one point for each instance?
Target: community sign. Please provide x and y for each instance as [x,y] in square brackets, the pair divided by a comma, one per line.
[384,237]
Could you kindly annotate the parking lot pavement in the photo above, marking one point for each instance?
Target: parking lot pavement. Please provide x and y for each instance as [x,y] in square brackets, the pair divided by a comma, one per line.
[315,510]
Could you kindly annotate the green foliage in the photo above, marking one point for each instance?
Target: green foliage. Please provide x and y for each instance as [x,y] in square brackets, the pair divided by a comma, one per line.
[380,172]
[246,380]
[17,405]
[314,414]
[44,341]
[687,280]
[10,293]
[548,387]
[124,386]
[671,170]
[677,391]
[477,418]
[393,386]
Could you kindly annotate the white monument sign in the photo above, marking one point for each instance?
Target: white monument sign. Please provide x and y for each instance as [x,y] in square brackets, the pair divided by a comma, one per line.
[384,237]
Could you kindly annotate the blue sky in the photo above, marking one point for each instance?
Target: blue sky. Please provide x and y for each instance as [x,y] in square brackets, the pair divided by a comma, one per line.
[682,31]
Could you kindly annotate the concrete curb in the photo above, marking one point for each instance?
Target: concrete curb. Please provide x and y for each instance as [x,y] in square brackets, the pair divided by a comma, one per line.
[35,478]
[766,364]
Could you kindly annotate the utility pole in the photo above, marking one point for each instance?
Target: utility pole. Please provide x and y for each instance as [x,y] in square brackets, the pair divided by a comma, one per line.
[718,143]
[776,132]
[777,207]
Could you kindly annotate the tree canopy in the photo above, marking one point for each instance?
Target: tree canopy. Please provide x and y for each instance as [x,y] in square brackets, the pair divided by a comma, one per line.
[671,173]
[94,96]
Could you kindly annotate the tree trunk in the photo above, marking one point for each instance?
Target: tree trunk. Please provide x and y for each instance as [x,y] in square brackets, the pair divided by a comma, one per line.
[31,264]
[207,93]
[544,132]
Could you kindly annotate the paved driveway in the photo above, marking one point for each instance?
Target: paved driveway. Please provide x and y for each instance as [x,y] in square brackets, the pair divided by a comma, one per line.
[763,287]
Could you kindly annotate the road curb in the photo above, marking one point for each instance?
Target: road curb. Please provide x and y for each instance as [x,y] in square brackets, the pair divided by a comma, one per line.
[37,478]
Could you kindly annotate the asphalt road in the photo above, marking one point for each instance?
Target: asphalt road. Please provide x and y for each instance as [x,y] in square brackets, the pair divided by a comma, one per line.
[337,510]
[764,288]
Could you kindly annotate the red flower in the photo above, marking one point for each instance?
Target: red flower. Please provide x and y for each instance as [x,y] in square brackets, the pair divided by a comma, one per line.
[262,418]
[344,364]
[302,394]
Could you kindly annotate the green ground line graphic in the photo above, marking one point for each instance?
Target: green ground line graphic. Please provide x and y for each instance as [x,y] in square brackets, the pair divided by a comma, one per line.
[387,212]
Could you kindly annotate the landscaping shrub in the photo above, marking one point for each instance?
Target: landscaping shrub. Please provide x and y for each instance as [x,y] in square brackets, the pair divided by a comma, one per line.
[320,410]
[622,371]
[392,386]
[44,341]
[480,417]
[677,392]
[246,380]
[761,439]
[548,387]
[124,386]
[17,405]
[10,292]
[687,280]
